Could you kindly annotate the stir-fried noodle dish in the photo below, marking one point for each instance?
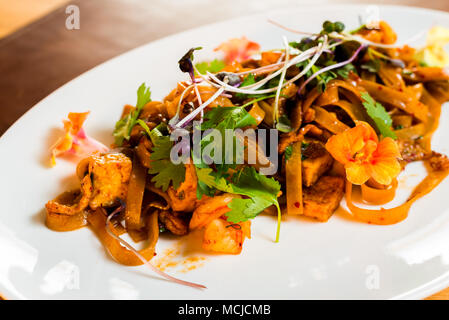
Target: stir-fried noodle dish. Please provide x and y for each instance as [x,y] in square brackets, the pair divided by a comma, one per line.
[288,131]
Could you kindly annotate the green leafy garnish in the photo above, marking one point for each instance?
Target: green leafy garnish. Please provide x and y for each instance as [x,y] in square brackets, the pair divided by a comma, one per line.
[162,167]
[361,27]
[227,118]
[345,70]
[124,126]
[262,191]
[372,66]
[248,80]
[213,66]
[379,115]
[222,119]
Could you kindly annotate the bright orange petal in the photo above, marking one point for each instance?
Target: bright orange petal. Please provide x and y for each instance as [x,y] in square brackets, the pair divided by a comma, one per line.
[385,170]
[339,147]
[77,120]
[387,148]
[357,173]
[344,145]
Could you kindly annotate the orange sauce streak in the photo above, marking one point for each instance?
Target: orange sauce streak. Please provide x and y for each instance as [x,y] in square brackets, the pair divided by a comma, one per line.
[397,214]
[170,260]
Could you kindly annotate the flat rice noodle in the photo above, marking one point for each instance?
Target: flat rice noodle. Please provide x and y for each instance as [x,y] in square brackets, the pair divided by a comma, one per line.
[411,133]
[379,196]
[253,154]
[97,220]
[143,152]
[415,90]
[134,198]
[329,96]
[269,115]
[329,121]
[425,74]
[391,77]
[434,117]
[397,214]
[314,94]
[62,222]
[296,115]
[257,113]
[366,75]
[439,90]
[65,206]
[150,186]
[354,111]
[397,99]
[293,177]
[310,99]
[403,120]
[434,108]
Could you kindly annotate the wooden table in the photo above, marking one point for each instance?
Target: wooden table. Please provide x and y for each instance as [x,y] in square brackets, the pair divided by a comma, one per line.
[42,56]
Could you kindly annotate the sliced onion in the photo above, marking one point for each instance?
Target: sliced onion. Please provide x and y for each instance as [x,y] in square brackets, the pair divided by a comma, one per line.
[148,263]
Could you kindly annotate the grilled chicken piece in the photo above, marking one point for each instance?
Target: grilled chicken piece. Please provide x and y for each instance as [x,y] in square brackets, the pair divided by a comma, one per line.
[176,222]
[110,175]
[317,162]
[323,198]
[104,180]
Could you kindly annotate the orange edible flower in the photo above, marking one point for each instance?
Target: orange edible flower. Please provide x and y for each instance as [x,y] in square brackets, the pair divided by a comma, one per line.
[364,156]
[75,140]
[238,49]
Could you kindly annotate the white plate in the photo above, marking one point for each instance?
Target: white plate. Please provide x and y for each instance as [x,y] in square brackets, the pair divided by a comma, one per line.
[339,259]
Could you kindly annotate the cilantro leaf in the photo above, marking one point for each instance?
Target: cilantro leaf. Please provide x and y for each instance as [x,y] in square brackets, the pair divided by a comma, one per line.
[213,180]
[213,66]
[262,191]
[124,126]
[167,172]
[246,209]
[163,168]
[379,115]
[344,71]
[221,119]
[250,183]
[227,118]
[248,80]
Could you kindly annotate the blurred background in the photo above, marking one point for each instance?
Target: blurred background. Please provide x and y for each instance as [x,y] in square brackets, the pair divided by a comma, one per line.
[40,49]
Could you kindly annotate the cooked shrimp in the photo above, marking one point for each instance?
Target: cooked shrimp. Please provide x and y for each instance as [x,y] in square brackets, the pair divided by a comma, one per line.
[226,237]
[210,209]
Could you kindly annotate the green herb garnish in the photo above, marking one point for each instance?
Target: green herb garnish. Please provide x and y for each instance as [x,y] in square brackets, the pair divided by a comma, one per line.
[379,115]
[213,66]
[124,126]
